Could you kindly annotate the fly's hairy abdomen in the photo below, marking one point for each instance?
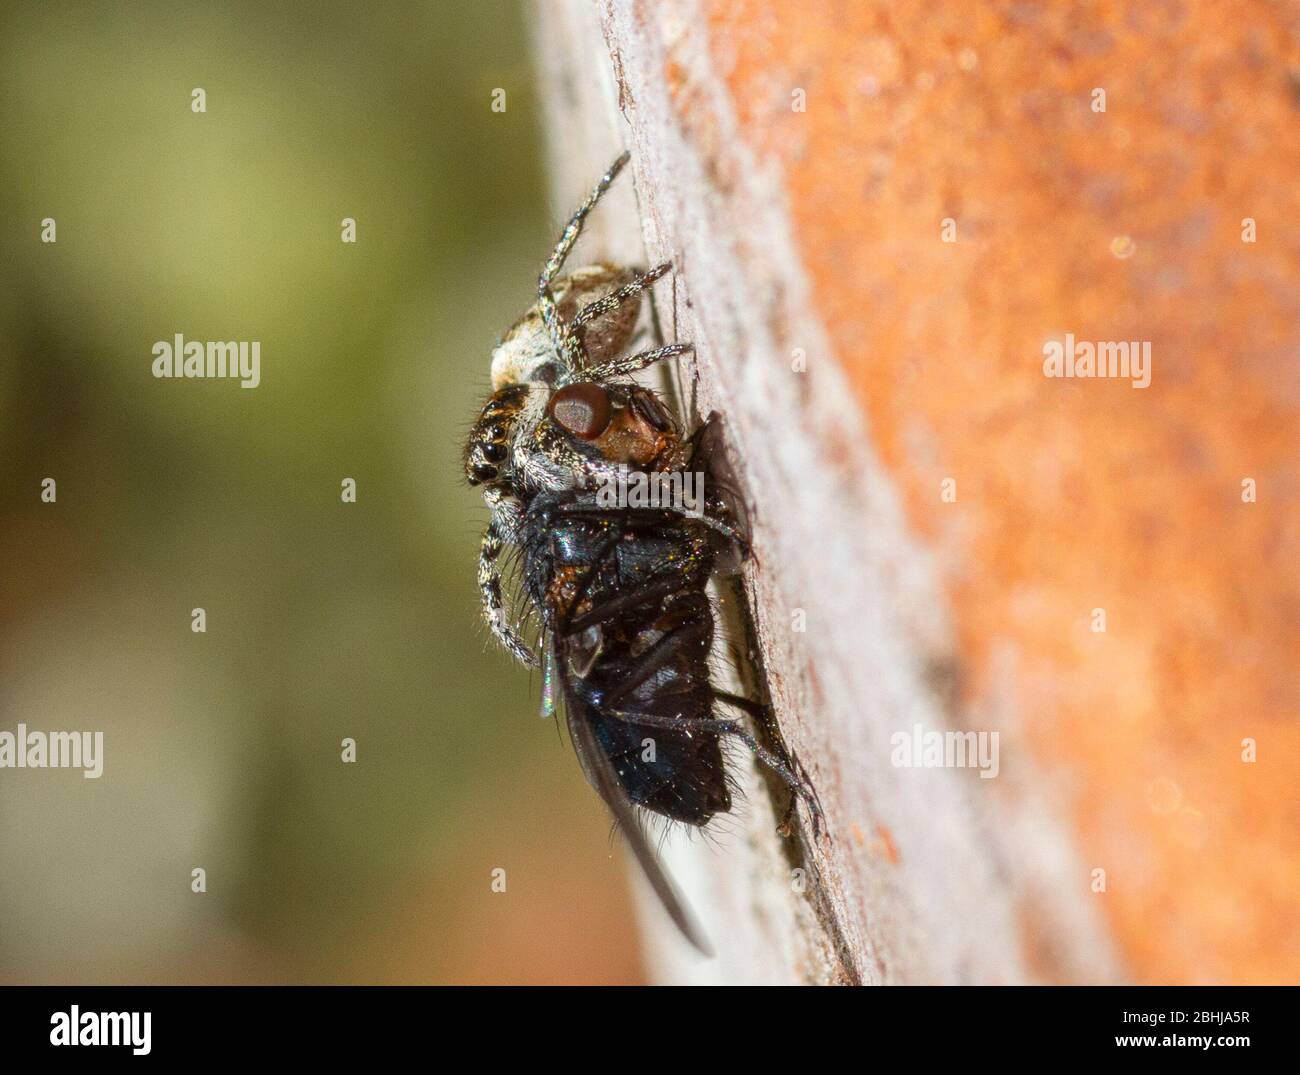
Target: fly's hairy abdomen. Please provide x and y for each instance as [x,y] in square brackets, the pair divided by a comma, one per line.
[622,593]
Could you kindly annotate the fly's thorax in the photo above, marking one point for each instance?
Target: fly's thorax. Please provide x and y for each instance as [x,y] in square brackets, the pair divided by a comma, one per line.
[642,433]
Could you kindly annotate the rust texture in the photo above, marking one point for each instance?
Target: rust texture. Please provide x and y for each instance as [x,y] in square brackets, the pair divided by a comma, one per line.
[1077,495]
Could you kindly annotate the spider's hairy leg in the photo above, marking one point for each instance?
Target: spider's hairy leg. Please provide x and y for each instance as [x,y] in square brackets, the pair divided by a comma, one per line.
[574,228]
[622,367]
[608,303]
[499,531]
[566,342]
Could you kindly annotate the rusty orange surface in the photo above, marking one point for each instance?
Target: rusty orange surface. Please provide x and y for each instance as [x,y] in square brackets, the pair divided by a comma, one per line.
[1075,495]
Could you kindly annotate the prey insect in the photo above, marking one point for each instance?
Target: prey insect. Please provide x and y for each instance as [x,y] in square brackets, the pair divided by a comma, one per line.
[617,588]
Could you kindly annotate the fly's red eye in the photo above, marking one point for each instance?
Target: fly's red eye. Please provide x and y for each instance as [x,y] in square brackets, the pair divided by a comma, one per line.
[582,409]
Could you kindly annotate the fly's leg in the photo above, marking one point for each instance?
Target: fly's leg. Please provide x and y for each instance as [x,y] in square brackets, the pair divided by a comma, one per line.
[569,624]
[616,606]
[803,788]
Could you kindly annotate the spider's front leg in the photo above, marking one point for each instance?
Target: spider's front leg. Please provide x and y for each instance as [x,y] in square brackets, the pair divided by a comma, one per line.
[566,342]
[608,303]
[623,367]
[500,531]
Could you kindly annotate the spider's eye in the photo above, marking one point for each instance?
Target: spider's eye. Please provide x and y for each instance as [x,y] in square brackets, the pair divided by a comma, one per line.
[583,409]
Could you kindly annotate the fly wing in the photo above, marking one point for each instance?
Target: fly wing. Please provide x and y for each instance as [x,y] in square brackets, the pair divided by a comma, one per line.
[721,489]
[599,771]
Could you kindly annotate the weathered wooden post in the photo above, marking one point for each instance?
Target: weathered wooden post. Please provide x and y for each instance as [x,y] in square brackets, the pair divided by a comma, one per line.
[877,226]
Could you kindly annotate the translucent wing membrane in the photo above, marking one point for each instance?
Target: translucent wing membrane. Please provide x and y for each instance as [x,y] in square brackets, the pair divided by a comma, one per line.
[599,771]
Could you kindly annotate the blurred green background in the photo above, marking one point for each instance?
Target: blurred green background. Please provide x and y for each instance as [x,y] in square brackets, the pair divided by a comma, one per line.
[324,619]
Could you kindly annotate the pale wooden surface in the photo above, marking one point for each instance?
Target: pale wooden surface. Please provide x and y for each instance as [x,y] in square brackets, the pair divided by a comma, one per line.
[926,877]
